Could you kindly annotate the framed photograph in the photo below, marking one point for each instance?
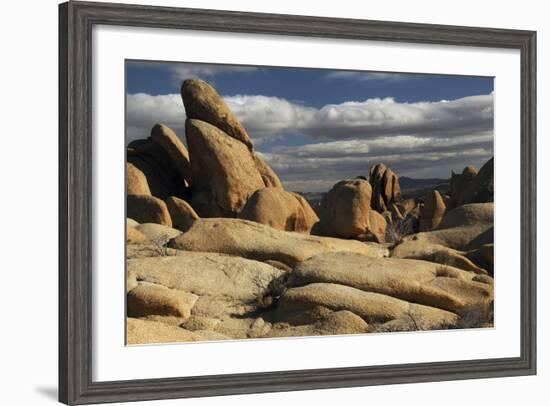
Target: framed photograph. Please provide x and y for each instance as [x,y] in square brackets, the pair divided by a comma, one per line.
[260,202]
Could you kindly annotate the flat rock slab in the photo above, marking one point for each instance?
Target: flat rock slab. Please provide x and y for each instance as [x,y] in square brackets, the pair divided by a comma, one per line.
[375,308]
[423,250]
[256,241]
[411,280]
[223,283]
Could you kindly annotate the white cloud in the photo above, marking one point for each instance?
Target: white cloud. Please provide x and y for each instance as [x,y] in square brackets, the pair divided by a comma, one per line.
[424,139]
[270,117]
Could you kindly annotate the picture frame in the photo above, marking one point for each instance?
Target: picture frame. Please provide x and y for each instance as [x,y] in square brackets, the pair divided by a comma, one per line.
[76,20]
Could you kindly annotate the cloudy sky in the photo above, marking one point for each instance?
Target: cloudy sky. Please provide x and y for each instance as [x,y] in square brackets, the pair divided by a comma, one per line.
[318,126]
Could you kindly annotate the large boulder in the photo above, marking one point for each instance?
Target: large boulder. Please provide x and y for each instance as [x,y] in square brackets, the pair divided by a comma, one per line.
[481,189]
[344,210]
[181,212]
[162,172]
[463,228]
[136,182]
[252,240]
[385,187]
[375,308]
[224,171]
[421,282]
[172,145]
[150,298]
[147,209]
[459,183]
[202,102]
[279,209]
[432,212]
[224,285]
[378,226]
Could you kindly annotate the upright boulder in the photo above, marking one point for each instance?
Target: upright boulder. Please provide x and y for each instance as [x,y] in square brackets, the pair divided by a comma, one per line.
[432,212]
[172,145]
[203,102]
[481,189]
[224,171]
[378,226]
[459,184]
[156,160]
[136,182]
[385,187]
[279,209]
[344,210]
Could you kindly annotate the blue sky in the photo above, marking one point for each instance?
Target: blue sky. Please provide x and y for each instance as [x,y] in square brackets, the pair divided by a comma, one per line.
[317,126]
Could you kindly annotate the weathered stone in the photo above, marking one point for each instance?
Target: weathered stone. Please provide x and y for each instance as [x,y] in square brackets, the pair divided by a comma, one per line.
[158,233]
[223,283]
[224,171]
[440,254]
[162,173]
[147,209]
[279,209]
[152,332]
[385,187]
[481,189]
[415,281]
[171,143]
[374,307]
[432,212]
[136,182]
[344,210]
[134,236]
[459,184]
[202,102]
[269,177]
[341,322]
[131,222]
[464,228]
[181,213]
[256,241]
[150,298]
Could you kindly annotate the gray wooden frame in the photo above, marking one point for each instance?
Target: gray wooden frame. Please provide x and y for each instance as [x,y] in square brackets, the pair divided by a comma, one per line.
[76,20]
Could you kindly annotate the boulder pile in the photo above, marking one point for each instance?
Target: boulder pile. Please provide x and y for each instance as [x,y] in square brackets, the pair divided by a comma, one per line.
[217,249]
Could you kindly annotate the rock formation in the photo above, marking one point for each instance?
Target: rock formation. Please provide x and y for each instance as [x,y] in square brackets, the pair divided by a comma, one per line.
[147,209]
[181,212]
[280,209]
[472,186]
[344,210]
[251,240]
[432,212]
[385,187]
[217,249]
[226,169]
